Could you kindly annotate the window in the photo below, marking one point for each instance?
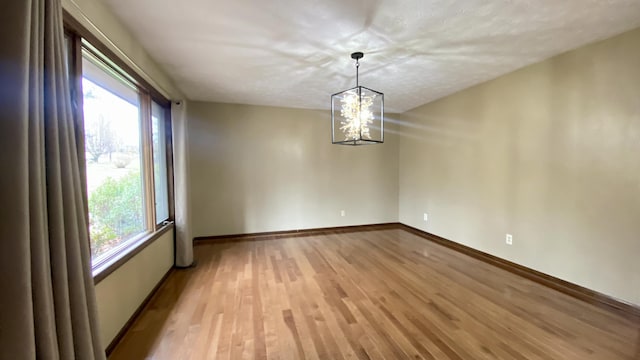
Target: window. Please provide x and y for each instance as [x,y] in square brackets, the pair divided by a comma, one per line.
[160,173]
[114,160]
[127,138]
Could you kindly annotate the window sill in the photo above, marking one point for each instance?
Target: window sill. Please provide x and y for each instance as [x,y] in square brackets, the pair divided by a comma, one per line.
[103,270]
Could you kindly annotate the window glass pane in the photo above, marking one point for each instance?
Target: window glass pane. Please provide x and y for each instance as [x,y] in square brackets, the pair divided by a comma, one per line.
[114,158]
[160,162]
[67,53]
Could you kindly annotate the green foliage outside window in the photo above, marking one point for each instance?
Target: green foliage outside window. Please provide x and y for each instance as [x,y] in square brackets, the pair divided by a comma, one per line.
[116,212]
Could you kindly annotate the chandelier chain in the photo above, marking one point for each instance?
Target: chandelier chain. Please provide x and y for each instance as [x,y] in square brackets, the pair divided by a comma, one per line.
[357,71]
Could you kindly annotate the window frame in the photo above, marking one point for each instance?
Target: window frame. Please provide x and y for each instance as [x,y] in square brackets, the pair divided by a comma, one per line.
[168,146]
[147,94]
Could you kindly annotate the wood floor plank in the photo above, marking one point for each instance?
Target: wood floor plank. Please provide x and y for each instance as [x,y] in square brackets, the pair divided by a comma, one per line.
[383,294]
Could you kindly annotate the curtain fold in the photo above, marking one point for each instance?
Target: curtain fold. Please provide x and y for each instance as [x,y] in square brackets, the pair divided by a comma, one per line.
[184,237]
[47,306]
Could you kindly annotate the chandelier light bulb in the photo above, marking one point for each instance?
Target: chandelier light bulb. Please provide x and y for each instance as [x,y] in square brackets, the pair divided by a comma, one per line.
[358,116]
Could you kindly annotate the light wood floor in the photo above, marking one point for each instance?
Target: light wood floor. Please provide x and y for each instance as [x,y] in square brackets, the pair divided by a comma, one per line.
[366,295]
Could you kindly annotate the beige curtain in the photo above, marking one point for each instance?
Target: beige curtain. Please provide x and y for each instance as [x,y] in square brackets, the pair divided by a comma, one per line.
[184,238]
[47,300]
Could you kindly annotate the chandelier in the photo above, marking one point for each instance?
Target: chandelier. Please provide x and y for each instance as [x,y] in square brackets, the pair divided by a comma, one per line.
[357,114]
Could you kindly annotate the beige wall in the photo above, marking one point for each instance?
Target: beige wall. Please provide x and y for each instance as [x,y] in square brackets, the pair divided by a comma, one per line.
[122,292]
[550,154]
[256,169]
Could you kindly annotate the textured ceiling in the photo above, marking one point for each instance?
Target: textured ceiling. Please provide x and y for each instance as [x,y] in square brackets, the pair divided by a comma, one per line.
[296,53]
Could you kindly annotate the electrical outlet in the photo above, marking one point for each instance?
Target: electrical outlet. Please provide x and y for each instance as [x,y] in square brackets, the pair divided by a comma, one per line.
[343,213]
[426,217]
[509,239]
